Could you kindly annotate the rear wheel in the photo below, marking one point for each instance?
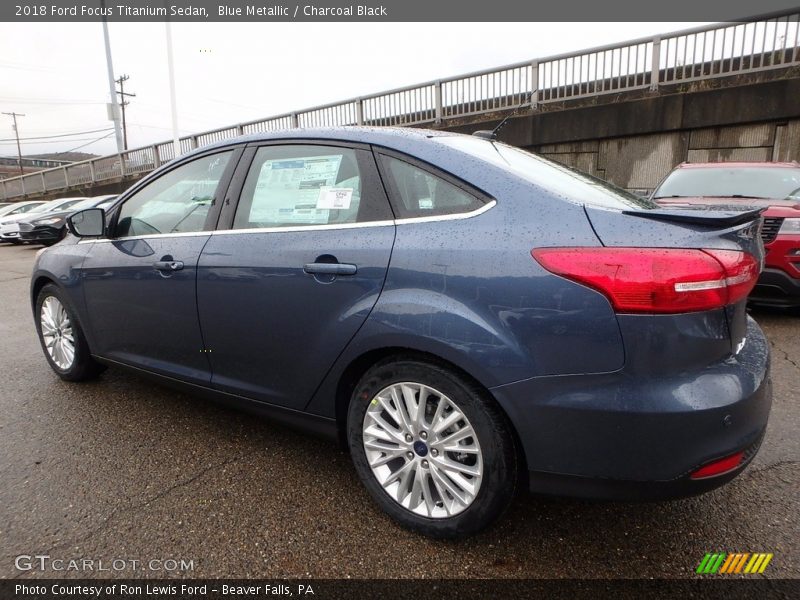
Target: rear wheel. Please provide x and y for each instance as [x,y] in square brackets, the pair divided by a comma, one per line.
[62,338]
[432,448]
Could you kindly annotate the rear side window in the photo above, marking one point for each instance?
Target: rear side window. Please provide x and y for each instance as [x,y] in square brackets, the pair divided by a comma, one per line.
[420,193]
[300,185]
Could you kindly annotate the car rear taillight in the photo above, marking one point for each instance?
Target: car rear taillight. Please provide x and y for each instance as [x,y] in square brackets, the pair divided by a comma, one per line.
[656,280]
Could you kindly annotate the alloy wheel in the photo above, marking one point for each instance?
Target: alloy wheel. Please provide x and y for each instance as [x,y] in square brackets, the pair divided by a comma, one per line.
[59,338]
[422,450]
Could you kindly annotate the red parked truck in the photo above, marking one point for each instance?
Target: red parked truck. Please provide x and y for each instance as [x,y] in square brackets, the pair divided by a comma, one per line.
[774,186]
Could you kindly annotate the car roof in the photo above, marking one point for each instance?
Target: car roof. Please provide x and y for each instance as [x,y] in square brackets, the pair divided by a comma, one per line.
[739,164]
[381,136]
[56,201]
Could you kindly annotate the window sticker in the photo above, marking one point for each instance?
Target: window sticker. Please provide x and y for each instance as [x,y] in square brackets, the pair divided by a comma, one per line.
[288,190]
[334,198]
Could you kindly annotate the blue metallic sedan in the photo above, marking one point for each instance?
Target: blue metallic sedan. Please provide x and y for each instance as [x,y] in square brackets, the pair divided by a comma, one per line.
[466,317]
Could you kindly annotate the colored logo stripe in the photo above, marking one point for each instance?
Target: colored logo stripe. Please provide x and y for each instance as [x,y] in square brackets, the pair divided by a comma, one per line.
[758,563]
[737,562]
[734,562]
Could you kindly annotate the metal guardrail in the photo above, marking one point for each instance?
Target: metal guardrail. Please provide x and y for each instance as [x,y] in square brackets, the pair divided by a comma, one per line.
[725,49]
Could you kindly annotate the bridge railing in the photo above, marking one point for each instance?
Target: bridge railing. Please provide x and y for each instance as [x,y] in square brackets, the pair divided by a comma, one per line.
[721,50]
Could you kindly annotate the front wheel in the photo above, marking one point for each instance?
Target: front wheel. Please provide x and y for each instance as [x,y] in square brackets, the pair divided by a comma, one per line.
[62,338]
[433,450]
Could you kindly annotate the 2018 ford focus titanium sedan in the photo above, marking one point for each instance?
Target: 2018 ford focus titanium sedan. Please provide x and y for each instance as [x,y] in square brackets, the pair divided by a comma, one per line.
[458,311]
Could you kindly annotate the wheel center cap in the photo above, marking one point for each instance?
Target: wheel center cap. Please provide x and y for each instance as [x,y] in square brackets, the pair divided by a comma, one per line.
[421,448]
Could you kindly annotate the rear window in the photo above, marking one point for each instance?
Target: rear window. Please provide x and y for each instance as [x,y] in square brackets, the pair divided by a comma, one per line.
[732,182]
[569,183]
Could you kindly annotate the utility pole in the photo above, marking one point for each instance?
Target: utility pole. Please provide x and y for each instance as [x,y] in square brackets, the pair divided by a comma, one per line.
[14,116]
[176,140]
[112,90]
[123,103]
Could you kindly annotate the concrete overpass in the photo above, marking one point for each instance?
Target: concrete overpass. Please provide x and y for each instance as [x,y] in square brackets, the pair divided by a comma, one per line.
[626,112]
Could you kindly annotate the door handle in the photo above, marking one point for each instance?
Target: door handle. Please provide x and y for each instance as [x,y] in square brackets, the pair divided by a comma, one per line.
[330,269]
[168,265]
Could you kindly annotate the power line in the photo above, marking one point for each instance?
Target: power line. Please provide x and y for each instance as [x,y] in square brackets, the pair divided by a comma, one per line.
[24,100]
[65,141]
[47,137]
[90,143]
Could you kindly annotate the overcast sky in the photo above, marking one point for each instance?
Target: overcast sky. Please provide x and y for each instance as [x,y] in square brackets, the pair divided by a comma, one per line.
[228,73]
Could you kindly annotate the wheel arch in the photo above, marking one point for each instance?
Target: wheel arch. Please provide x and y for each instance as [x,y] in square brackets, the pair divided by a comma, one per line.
[357,367]
[39,281]
[73,294]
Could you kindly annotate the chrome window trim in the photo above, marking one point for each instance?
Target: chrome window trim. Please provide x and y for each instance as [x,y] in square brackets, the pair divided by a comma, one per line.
[305,228]
[408,221]
[454,217]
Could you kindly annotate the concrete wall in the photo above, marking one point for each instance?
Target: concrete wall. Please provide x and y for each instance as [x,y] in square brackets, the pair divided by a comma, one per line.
[634,144]
[639,162]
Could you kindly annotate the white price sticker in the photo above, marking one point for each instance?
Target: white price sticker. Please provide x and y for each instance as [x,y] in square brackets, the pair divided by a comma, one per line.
[334,198]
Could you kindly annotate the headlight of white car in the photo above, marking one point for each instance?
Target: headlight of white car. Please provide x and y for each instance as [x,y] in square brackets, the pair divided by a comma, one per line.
[791,225]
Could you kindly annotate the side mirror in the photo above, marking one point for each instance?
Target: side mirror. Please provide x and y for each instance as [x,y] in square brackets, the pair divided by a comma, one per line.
[90,222]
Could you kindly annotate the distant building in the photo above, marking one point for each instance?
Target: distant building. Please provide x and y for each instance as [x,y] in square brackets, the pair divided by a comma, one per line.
[9,167]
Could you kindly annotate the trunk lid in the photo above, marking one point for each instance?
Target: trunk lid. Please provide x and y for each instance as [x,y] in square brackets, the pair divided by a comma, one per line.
[703,228]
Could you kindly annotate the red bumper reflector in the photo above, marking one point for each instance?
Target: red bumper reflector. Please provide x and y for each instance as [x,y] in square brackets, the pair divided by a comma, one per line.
[718,467]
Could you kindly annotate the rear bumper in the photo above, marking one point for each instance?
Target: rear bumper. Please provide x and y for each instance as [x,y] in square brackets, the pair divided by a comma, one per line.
[776,287]
[617,436]
[552,484]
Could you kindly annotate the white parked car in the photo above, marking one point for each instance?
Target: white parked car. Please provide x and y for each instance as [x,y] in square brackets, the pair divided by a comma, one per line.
[18,208]
[9,224]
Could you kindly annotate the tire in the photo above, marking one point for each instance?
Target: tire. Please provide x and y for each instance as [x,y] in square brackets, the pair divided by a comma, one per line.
[61,235]
[450,494]
[63,330]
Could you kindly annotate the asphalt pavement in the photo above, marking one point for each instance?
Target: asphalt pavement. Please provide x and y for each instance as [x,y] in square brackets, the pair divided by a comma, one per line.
[121,469]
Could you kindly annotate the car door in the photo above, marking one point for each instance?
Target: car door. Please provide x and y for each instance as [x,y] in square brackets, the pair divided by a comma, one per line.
[294,269]
[140,283]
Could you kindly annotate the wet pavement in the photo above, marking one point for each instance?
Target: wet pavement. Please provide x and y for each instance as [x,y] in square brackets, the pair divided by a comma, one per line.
[169,485]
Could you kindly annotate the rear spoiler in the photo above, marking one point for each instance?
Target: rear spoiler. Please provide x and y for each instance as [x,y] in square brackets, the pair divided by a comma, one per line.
[718,219]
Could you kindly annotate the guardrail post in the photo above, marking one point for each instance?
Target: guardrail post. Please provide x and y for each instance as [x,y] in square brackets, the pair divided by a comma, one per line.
[156,156]
[359,111]
[44,183]
[22,184]
[194,142]
[534,85]
[121,165]
[239,130]
[66,177]
[655,64]
[438,95]
[91,172]
[295,121]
